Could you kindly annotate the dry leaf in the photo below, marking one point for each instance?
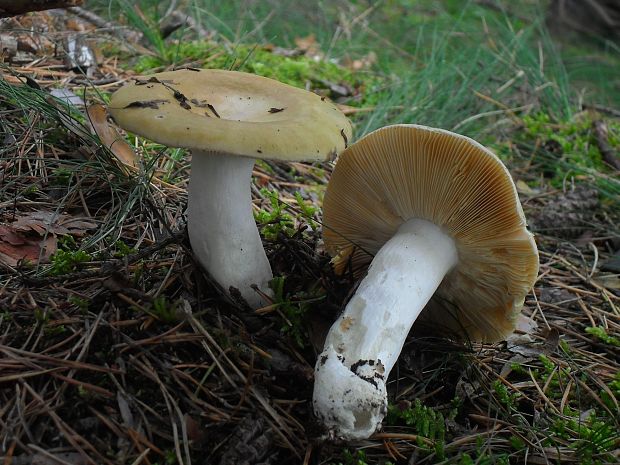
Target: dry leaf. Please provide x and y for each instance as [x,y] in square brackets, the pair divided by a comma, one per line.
[550,344]
[73,125]
[349,110]
[32,237]
[110,137]
[612,264]
[195,432]
[55,458]
[608,281]
[523,331]
[43,222]
[67,96]
[526,352]
[365,62]
[16,246]
[338,90]
[523,188]
[309,46]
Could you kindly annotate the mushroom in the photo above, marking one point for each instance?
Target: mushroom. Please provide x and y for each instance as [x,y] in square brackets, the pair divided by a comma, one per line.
[228,119]
[436,215]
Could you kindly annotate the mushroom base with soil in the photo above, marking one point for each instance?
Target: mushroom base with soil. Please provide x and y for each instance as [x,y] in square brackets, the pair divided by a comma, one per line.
[364,343]
[221,226]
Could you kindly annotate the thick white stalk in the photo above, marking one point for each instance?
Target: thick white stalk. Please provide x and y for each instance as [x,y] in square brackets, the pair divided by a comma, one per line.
[364,343]
[221,226]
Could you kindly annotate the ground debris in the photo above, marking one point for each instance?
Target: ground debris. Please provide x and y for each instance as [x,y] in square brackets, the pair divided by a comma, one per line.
[50,458]
[250,444]
[555,295]
[601,133]
[566,214]
[19,7]
[110,136]
[49,222]
[100,365]
[33,236]
[15,248]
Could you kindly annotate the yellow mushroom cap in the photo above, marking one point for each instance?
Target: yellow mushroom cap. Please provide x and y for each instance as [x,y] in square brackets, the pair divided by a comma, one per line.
[231,112]
[408,171]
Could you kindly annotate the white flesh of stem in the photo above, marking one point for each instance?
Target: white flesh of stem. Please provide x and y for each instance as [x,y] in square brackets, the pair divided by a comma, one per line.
[221,226]
[364,343]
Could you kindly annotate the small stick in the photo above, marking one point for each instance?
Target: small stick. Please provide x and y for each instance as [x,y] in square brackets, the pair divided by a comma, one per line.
[96,20]
[602,109]
[109,266]
[602,140]
[19,7]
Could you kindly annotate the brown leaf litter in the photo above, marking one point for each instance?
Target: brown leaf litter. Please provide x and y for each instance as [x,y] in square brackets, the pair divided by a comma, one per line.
[33,237]
[110,136]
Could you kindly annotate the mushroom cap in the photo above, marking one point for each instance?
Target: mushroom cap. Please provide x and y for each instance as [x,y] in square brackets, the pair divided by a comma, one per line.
[231,112]
[408,171]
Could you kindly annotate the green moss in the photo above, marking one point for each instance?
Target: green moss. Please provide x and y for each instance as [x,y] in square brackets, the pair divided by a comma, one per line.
[356,458]
[64,261]
[611,396]
[176,53]
[484,459]
[274,221]
[299,71]
[575,138]
[293,309]
[426,422]
[519,369]
[61,177]
[555,376]
[568,148]
[81,303]
[601,334]
[593,438]
[507,398]
[307,210]
[122,249]
[164,310]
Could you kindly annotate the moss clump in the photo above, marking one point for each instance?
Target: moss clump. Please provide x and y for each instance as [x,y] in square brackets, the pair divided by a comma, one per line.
[299,71]
[426,422]
[570,145]
[593,437]
[602,335]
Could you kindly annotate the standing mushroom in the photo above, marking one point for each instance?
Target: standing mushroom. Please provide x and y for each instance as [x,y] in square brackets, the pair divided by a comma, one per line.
[228,119]
[441,216]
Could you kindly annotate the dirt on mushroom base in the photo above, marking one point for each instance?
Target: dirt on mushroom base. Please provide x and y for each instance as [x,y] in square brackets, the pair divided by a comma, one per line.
[108,358]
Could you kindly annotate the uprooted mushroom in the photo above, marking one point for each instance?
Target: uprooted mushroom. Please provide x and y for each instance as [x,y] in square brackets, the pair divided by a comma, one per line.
[426,214]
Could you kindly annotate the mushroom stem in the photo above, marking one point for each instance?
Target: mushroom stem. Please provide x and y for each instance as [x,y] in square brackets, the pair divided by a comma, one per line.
[221,226]
[364,343]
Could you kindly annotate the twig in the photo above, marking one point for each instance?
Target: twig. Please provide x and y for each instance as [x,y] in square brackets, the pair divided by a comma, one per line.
[110,266]
[405,437]
[502,9]
[178,19]
[602,109]
[19,7]
[69,434]
[602,140]
[128,34]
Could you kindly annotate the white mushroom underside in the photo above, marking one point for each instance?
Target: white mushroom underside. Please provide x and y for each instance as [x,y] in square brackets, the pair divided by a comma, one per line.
[221,225]
[364,343]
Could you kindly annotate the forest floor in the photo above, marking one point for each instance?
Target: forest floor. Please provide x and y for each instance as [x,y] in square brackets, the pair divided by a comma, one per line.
[116,347]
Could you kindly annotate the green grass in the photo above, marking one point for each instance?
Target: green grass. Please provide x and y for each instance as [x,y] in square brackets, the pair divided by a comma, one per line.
[452,64]
[94,173]
[426,422]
